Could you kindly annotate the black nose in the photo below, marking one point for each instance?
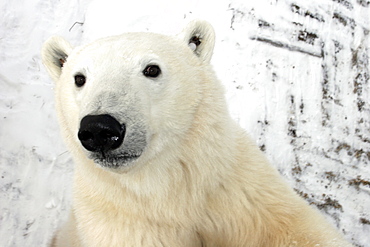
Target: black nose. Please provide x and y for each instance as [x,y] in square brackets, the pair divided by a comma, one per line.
[101,133]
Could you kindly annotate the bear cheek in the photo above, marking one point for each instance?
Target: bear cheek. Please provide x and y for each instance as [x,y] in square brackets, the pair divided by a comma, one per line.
[68,107]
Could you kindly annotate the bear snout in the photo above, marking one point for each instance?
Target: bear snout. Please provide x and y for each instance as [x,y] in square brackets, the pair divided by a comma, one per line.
[101,133]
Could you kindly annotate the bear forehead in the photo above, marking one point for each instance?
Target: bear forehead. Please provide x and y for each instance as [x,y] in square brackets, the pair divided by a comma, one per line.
[132,45]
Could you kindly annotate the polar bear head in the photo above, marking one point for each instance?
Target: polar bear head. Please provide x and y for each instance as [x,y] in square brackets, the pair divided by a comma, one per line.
[124,99]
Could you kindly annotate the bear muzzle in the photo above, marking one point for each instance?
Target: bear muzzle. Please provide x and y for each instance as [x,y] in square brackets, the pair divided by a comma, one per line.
[101,133]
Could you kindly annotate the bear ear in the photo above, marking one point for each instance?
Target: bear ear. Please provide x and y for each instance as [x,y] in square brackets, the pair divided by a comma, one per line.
[54,54]
[200,37]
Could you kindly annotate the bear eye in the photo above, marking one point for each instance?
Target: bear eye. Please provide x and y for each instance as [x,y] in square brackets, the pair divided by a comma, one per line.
[80,80]
[152,71]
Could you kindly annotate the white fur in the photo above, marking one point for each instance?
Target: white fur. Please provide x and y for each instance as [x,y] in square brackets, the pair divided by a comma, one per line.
[200,180]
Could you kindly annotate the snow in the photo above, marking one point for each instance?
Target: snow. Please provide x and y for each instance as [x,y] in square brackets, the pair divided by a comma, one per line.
[296,75]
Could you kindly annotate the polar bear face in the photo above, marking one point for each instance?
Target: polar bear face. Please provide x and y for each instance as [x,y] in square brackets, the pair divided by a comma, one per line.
[125,99]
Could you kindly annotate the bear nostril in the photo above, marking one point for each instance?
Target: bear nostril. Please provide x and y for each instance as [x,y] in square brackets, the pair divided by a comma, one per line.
[85,135]
[101,133]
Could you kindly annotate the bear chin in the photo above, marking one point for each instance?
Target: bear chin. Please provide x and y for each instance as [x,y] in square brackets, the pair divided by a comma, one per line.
[114,162]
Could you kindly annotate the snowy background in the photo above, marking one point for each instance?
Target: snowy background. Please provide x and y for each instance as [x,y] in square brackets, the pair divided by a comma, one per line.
[297,79]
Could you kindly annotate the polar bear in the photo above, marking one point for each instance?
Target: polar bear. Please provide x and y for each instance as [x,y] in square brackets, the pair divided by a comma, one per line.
[159,160]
